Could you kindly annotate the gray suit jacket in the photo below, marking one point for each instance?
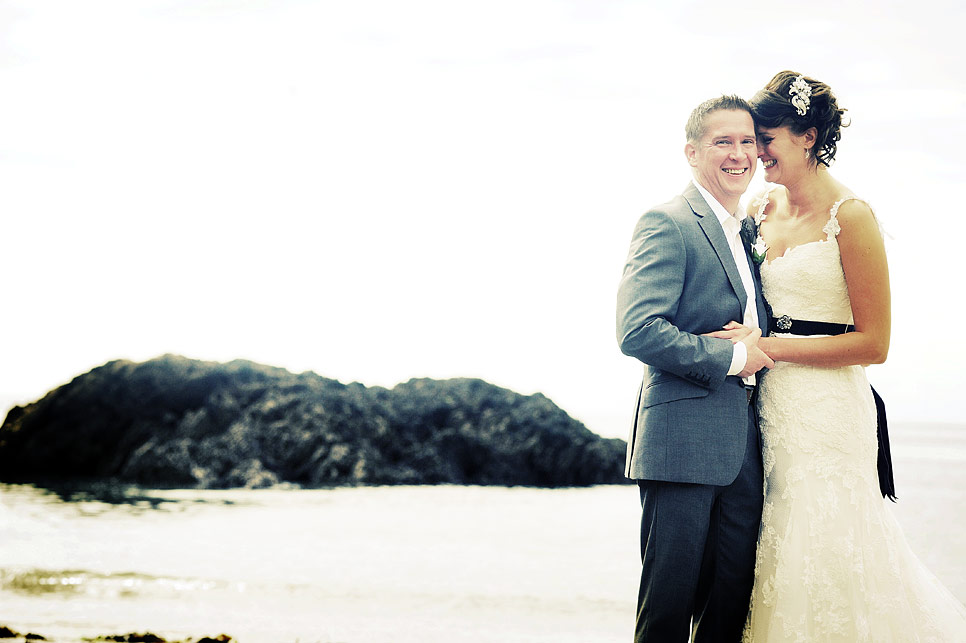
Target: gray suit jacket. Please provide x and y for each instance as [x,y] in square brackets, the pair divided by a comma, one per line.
[680,281]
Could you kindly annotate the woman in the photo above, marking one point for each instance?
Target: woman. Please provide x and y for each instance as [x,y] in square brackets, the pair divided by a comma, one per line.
[832,564]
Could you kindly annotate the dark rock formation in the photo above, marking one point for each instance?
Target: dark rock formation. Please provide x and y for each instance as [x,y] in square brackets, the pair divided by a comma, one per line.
[177,422]
[7,633]
[133,637]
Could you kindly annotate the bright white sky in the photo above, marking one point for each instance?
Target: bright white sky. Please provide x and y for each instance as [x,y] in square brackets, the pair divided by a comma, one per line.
[379,190]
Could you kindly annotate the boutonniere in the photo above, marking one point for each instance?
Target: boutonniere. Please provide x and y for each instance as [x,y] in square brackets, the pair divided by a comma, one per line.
[758,250]
[752,238]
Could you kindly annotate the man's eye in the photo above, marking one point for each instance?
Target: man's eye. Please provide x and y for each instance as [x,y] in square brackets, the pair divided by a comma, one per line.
[749,141]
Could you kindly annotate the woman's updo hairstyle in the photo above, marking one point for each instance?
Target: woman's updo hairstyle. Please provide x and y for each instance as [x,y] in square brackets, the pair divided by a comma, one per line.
[797,104]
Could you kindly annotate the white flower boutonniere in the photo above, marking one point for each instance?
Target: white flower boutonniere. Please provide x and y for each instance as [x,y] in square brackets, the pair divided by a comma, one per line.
[758,250]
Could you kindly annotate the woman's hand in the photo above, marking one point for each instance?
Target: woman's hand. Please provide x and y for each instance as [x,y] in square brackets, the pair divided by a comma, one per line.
[733,331]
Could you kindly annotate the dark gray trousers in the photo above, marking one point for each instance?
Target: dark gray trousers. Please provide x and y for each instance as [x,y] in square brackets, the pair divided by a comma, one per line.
[698,554]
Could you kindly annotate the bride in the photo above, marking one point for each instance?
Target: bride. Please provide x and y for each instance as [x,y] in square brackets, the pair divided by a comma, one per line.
[832,563]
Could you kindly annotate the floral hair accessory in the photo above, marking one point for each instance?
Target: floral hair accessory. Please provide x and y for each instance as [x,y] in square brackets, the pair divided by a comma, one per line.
[801,93]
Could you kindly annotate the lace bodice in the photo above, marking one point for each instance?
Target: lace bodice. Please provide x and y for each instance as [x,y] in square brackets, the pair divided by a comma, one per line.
[807,282]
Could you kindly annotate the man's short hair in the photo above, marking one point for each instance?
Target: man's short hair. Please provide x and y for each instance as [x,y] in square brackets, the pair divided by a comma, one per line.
[695,128]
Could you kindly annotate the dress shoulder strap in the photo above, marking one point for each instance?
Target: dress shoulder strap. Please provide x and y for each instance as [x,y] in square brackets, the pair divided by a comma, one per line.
[832,228]
[762,204]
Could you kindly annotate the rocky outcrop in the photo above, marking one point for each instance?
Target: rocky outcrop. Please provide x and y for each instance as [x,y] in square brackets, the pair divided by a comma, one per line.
[173,421]
[133,637]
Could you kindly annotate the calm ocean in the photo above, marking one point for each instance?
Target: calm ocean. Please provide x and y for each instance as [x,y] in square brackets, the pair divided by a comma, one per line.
[404,564]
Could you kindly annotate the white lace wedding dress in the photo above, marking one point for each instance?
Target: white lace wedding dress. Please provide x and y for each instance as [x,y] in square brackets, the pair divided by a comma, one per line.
[832,563]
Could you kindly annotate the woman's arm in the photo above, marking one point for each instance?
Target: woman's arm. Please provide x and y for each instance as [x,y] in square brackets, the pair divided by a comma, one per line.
[867,277]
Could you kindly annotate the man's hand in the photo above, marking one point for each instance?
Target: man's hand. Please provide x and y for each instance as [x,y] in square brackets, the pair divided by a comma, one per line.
[757,360]
[732,330]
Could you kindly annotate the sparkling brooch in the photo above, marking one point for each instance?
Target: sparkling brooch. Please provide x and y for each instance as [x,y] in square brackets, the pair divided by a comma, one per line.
[784,322]
[801,93]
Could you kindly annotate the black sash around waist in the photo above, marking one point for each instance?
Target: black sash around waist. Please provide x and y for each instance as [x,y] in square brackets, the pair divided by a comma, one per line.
[785,324]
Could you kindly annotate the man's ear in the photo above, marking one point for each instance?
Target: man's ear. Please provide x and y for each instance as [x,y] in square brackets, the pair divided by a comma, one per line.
[691,153]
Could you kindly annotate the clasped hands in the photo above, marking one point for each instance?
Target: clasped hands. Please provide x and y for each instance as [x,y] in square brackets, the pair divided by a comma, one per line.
[757,359]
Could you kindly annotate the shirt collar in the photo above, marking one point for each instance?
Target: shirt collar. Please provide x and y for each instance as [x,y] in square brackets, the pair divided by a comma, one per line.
[718,209]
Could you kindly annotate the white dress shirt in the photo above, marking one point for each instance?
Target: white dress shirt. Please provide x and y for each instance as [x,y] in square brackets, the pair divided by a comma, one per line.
[731,224]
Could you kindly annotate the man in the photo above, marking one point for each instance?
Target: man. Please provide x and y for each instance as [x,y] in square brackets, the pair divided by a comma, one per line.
[694,447]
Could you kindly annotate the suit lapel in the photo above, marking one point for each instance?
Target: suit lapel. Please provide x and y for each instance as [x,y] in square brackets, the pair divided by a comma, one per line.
[712,229]
[764,311]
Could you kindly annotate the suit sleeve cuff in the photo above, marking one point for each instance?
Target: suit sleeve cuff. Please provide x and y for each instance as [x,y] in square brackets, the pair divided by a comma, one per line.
[738,358]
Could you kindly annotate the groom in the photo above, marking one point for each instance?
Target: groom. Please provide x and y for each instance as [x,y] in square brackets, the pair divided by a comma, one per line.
[694,447]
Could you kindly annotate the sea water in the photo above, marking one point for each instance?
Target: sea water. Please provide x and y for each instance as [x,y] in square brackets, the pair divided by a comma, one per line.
[403,564]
